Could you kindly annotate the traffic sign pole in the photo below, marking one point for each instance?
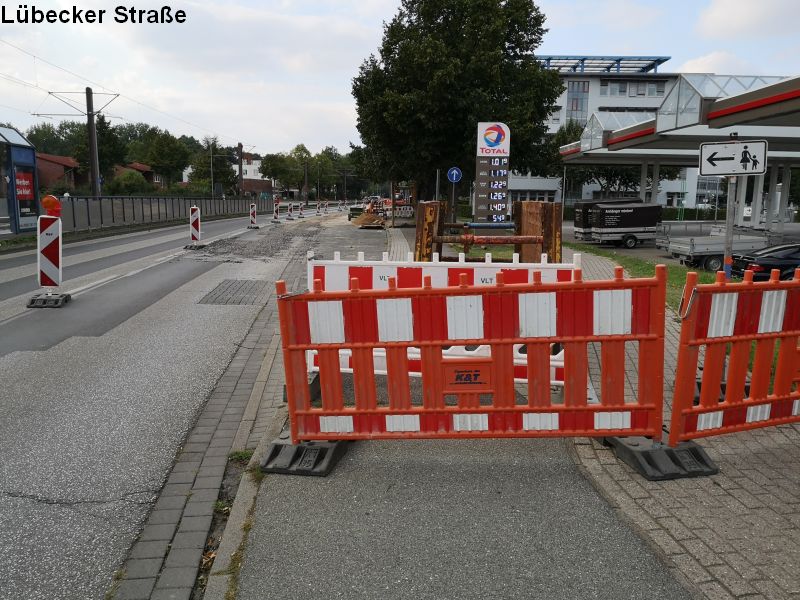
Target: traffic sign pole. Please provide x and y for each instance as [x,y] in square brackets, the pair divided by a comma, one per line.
[729,219]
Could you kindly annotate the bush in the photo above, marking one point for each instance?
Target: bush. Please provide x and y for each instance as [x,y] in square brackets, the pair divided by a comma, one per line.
[128,184]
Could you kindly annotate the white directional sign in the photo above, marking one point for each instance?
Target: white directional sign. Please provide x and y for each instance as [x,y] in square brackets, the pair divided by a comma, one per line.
[734,158]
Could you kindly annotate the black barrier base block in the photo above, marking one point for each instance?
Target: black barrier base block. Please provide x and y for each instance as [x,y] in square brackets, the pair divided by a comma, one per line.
[194,247]
[254,227]
[48,300]
[656,462]
[315,459]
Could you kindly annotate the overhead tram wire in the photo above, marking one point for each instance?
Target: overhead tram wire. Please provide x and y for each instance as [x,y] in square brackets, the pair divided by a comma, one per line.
[120,95]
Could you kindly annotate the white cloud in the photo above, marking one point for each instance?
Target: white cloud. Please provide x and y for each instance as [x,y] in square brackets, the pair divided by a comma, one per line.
[723,19]
[272,74]
[720,62]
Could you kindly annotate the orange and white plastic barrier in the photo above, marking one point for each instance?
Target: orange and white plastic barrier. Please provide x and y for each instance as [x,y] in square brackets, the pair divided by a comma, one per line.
[195,228]
[475,397]
[48,251]
[336,274]
[745,317]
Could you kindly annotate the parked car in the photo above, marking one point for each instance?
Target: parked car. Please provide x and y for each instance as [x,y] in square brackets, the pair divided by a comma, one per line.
[785,257]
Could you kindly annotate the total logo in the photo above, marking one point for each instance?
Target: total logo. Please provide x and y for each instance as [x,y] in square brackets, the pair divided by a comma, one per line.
[493,139]
[494,136]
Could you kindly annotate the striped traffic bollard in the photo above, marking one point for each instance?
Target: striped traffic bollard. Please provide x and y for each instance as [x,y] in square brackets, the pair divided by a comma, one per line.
[289,211]
[48,262]
[276,214]
[325,208]
[319,212]
[253,224]
[195,229]
[300,214]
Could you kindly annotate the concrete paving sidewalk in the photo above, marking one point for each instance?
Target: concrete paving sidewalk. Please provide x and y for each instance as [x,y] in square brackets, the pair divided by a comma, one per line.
[445,519]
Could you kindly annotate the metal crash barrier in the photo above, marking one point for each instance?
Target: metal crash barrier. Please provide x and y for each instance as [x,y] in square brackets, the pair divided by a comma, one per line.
[474,397]
[734,325]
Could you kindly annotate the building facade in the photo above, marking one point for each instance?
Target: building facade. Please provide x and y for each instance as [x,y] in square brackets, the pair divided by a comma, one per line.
[604,84]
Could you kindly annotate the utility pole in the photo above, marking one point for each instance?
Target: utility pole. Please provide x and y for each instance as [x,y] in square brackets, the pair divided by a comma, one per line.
[305,182]
[211,156]
[94,161]
[241,173]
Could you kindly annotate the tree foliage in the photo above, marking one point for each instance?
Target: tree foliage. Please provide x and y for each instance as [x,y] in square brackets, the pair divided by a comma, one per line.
[128,183]
[223,160]
[443,66]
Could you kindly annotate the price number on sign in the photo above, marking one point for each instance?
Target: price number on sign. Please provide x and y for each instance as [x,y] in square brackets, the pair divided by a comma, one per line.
[498,185]
[497,196]
[499,172]
[496,162]
[497,218]
[498,207]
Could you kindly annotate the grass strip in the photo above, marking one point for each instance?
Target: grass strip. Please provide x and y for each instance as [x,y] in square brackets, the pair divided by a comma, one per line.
[643,267]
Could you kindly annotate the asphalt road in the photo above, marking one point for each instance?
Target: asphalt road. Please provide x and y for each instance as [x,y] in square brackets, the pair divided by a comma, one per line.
[18,270]
[97,397]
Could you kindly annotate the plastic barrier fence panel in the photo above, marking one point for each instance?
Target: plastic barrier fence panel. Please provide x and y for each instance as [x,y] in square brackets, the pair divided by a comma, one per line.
[374,274]
[475,396]
[734,326]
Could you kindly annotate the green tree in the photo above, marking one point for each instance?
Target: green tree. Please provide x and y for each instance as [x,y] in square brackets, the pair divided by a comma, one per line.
[279,166]
[443,66]
[45,138]
[168,157]
[128,183]
[224,174]
[111,150]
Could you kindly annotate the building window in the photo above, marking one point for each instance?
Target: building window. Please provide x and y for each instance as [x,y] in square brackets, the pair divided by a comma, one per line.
[656,88]
[577,101]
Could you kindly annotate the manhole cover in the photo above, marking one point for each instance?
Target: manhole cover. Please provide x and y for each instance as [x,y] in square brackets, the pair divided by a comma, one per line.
[237,291]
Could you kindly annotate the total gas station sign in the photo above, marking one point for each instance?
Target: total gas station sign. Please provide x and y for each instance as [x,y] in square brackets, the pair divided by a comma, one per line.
[491,172]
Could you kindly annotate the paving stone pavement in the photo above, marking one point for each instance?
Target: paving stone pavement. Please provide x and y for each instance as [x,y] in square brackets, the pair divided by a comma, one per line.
[165,561]
[733,535]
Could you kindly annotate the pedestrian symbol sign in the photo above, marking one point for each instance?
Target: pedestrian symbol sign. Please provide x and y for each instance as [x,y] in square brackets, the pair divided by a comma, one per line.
[734,158]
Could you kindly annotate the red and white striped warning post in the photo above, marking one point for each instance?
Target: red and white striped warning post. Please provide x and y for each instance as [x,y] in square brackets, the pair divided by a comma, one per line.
[194,225]
[289,211]
[48,256]
[319,211]
[253,222]
[325,207]
[300,214]
[48,263]
[276,214]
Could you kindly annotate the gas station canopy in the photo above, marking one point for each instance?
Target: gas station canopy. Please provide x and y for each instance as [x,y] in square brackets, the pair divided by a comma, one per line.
[698,109]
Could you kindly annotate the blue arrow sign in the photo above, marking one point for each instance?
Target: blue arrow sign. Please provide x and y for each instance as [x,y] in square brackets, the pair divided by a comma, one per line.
[454,174]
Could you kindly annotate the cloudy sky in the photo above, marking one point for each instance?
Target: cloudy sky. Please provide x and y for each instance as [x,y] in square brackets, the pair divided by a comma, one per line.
[273,73]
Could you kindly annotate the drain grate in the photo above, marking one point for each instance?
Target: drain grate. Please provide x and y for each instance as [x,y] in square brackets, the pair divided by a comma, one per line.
[238,291]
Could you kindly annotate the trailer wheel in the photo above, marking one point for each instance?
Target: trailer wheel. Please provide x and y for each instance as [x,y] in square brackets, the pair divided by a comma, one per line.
[713,263]
[630,241]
